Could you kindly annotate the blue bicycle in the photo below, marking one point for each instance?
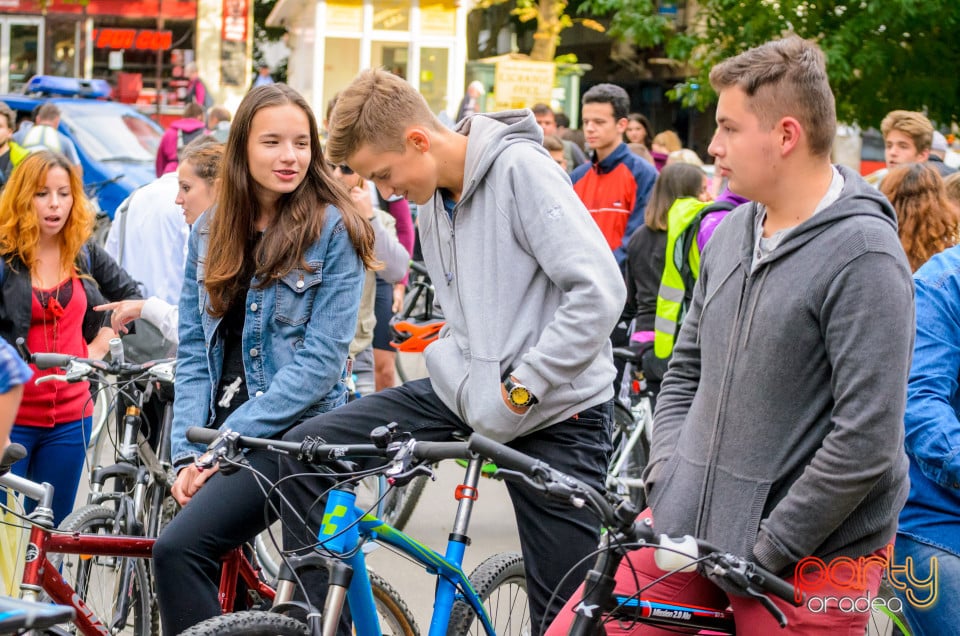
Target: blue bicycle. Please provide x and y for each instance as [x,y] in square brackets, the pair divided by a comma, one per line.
[492,600]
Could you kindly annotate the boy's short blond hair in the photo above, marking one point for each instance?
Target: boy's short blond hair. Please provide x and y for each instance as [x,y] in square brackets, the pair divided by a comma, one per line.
[785,78]
[375,110]
[912,124]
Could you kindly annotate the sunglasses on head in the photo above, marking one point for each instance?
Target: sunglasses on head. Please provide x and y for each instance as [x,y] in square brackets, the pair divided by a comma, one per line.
[344,168]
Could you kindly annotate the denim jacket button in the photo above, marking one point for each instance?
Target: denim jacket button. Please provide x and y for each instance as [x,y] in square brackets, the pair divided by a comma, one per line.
[254,353]
[300,284]
[253,306]
[258,394]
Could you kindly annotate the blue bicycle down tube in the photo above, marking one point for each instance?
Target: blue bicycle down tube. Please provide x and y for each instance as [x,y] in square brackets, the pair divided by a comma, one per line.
[446,591]
[339,534]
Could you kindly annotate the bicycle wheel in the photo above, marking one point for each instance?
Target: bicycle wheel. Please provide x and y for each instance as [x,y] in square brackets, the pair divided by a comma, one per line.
[631,451]
[887,619]
[501,584]
[398,504]
[102,415]
[117,589]
[249,624]
[395,617]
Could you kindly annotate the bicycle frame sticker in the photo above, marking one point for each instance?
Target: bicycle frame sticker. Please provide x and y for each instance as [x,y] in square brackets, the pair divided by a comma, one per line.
[812,574]
[32,553]
[328,528]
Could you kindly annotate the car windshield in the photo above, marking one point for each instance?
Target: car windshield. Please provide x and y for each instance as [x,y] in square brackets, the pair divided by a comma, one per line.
[132,137]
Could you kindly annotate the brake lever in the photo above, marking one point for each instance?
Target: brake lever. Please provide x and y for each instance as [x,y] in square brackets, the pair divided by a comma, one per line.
[224,446]
[543,484]
[769,605]
[51,378]
[405,477]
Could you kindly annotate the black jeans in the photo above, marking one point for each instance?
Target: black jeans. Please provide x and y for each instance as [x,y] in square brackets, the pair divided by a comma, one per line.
[554,537]
[226,512]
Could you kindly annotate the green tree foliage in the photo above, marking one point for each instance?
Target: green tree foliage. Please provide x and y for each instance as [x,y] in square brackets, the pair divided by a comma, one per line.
[881,54]
[551,19]
[263,34]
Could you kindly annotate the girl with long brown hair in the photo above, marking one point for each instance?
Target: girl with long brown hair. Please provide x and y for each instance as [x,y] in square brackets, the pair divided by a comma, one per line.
[52,276]
[927,220]
[269,307]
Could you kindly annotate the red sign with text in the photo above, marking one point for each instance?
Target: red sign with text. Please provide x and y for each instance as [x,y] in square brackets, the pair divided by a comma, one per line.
[136,39]
[235,20]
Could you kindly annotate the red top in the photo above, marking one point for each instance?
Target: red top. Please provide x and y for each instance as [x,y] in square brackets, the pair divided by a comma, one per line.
[56,329]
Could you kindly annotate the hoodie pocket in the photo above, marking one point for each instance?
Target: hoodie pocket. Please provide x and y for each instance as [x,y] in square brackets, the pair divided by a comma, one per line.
[736,508]
[482,404]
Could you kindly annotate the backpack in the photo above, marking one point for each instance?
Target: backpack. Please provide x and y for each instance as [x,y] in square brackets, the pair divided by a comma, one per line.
[687,239]
[184,138]
[207,97]
[679,277]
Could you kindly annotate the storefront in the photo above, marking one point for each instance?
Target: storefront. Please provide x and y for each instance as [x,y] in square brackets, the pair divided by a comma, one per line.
[139,46]
[421,40]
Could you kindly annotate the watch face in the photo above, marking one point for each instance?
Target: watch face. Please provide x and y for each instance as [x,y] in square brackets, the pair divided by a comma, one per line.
[519,395]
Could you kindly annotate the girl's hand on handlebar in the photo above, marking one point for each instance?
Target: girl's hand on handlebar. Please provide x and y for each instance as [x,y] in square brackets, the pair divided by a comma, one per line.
[189,481]
[124,311]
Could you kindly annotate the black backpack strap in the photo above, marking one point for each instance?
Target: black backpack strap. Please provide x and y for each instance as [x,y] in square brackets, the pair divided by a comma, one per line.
[686,239]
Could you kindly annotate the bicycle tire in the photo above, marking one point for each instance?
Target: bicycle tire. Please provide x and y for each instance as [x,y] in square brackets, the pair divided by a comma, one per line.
[399,503]
[251,623]
[96,579]
[632,469]
[102,414]
[159,508]
[884,621]
[396,619]
[501,584]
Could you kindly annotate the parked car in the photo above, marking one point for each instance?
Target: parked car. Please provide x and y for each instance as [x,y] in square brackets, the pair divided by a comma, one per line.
[117,144]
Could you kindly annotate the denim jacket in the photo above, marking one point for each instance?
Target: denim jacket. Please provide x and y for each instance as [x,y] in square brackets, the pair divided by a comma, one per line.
[295,338]
[932,422]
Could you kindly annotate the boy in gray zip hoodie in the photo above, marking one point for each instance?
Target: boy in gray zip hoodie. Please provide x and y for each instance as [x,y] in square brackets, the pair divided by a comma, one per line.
[530,293]
[778,432]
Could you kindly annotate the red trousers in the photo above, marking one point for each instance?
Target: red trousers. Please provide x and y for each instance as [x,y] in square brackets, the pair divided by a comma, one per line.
[829,608]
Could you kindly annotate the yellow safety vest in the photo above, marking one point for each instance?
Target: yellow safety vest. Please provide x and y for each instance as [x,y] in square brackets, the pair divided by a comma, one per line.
[17,153]
[672,289]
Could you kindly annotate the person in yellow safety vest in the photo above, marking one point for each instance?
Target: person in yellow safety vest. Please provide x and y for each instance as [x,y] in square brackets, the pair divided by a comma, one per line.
[690,223]
[672,286]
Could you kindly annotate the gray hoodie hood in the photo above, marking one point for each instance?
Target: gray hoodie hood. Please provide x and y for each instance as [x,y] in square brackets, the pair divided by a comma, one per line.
[490,135]
[857,199]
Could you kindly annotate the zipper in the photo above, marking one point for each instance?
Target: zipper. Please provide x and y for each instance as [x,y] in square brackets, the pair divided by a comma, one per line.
[711,466]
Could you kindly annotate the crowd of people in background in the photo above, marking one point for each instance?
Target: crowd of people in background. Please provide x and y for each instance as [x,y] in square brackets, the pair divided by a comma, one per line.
[269,267]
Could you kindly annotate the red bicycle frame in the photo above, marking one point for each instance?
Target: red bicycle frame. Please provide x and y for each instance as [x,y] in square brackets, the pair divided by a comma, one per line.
[234,564]
[39,574]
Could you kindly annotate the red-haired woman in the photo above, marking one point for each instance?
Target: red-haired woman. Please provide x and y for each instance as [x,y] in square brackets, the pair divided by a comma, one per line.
[927,220]
[52,276]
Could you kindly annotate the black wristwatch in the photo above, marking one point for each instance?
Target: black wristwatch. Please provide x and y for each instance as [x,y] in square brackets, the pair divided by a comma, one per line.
[519,395]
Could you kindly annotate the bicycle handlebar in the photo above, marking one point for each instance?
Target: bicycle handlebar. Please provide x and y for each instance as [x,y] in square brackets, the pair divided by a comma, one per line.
[78,368]
[314,451]
[740,572]
[418,268]
[11,455]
